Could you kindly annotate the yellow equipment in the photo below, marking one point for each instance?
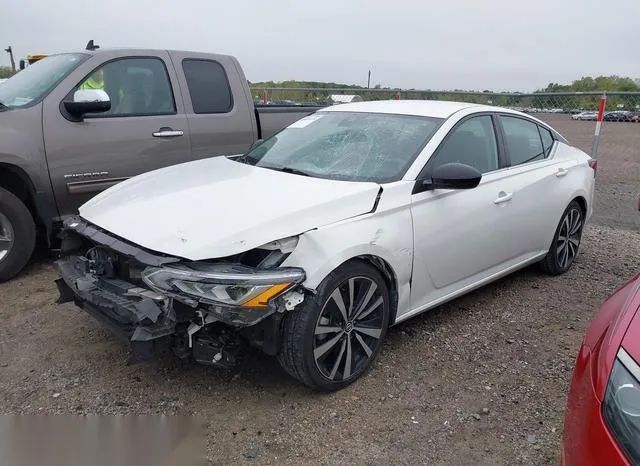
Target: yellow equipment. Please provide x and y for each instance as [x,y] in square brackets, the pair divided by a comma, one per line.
[31,59]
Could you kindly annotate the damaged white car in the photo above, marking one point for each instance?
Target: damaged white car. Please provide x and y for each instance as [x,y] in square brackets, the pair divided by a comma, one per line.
[315,241]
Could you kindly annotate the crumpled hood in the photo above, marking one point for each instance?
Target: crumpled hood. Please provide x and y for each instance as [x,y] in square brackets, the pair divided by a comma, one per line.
[217,207]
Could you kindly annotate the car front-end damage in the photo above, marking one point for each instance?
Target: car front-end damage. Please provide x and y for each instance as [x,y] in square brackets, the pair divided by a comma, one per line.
[206,310]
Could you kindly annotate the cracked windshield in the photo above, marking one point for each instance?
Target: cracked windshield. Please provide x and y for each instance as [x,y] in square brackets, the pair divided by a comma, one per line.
[348,146]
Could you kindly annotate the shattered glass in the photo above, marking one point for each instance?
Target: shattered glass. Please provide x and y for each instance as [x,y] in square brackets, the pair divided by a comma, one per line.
[349,146]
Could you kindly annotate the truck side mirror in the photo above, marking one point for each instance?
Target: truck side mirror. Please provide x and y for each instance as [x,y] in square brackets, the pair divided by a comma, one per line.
[88,101]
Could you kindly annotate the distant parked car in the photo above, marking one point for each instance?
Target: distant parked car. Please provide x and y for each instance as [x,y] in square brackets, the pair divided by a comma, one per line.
[585,116]
[311,244]
[618,115]
[602,419]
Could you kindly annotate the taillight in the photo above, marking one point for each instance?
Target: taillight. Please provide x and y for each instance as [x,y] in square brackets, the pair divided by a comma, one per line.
[593,163]
[638,202]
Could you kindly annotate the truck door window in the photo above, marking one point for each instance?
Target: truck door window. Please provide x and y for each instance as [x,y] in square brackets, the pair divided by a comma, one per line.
[208,86]
[136,87]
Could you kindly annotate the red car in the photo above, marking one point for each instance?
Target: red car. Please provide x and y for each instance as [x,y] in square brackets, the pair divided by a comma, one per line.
[602,419]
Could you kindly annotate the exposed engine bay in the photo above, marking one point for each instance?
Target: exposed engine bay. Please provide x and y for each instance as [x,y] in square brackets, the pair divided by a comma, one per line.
[207,310]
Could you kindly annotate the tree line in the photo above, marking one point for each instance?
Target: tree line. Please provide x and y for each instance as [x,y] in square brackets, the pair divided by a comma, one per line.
[600,83]
[613,83]
[6,72]
[537,99]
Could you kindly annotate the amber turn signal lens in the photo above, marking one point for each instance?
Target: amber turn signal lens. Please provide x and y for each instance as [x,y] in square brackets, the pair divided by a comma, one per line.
[262,300]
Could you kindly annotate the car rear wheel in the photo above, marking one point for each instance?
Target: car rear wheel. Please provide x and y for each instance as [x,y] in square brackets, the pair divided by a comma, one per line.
[332,338]
[566,241]
[17,235]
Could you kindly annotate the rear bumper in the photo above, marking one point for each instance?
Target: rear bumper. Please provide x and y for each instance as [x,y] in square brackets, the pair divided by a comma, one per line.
[136,315]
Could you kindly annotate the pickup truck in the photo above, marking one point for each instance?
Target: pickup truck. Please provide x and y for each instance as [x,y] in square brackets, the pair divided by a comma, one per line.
[74,124]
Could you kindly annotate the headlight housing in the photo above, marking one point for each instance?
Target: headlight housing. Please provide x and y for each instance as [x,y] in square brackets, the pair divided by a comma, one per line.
[621,405]
[223,284]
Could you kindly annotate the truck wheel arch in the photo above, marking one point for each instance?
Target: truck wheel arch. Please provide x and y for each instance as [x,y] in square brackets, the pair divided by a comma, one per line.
[16,180]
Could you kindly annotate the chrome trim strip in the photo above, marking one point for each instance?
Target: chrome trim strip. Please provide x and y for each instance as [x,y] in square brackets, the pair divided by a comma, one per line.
[92,186]
[628,362]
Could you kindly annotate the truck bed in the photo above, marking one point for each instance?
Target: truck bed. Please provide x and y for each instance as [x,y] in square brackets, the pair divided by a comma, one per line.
[273,118]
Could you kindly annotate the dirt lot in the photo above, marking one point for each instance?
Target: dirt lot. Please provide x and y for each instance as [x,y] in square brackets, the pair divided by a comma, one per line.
[481,380]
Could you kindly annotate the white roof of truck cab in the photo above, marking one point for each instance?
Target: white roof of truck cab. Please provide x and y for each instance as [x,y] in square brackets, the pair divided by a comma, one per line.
[429,108]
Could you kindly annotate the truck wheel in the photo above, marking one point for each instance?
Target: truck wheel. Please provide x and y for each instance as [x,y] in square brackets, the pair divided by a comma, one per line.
[332,338]
[17,235]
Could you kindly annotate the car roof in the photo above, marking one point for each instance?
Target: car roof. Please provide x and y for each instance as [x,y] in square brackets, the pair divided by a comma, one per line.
[428,108]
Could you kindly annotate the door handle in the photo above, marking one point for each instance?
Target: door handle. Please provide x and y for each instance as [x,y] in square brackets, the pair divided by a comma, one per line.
[166,132]
[562,172]
[503,197]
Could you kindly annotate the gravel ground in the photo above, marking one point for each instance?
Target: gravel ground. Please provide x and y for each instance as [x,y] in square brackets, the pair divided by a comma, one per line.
[481,380]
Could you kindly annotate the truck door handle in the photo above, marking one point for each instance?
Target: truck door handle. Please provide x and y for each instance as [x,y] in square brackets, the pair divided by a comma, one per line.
[562,172]
[166,132]
[503,197]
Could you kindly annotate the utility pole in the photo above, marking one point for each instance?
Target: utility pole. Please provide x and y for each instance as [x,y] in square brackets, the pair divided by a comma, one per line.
[9,50]
[369,80]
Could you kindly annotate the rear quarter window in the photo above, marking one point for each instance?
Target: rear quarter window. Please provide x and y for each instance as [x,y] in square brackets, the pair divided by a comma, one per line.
[208,86]
[547,140]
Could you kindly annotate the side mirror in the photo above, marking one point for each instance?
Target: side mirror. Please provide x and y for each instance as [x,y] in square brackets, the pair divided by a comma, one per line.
[88,101]
[453,176]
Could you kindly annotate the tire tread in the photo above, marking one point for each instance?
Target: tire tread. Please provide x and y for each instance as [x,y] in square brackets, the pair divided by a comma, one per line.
[24,230]
[549,264]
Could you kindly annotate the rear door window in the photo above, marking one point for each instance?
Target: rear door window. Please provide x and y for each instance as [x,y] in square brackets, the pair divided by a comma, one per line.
[208,86]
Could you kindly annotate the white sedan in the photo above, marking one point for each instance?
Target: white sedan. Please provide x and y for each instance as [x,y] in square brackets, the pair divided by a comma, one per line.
[585,116]
[315,241]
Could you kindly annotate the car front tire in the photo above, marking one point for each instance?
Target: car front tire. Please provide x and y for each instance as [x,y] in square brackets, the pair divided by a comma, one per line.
[566,241]
[332,338]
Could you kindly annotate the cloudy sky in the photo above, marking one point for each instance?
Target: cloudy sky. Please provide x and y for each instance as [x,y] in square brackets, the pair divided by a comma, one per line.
[426,44]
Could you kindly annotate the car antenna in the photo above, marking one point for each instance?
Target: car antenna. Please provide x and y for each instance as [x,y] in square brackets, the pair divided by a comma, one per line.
[91,45]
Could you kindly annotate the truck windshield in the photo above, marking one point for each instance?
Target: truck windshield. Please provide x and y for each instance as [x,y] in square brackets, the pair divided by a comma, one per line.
[349,146]
[31,85]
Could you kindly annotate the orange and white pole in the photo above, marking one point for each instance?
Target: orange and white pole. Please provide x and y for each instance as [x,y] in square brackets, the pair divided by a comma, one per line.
[596,136]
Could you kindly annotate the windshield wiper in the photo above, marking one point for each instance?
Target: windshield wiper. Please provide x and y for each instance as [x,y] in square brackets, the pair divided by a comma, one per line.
[246,159]
[293,171]
[3,107]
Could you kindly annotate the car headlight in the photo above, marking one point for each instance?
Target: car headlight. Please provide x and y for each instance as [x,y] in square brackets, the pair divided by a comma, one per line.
[621,406]
[231,285]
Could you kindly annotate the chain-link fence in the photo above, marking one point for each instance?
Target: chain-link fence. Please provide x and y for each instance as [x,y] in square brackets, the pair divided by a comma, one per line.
[566,102]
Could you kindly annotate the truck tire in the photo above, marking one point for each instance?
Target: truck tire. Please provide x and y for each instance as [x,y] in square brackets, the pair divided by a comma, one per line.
[17,235]
[332,338]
